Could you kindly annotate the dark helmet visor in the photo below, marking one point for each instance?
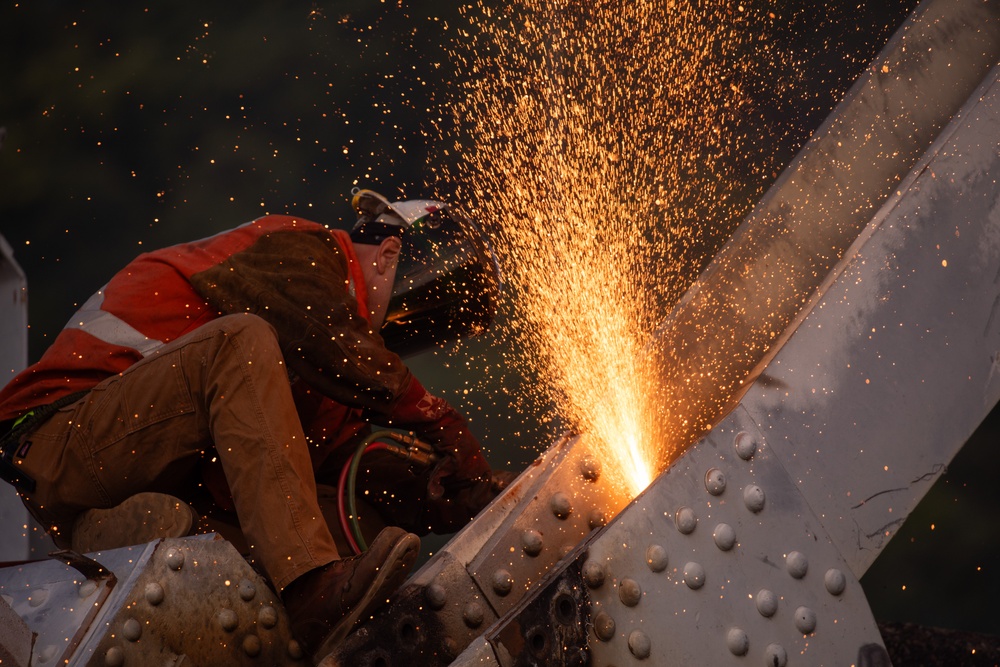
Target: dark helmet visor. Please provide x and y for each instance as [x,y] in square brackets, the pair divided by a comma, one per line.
[447,284]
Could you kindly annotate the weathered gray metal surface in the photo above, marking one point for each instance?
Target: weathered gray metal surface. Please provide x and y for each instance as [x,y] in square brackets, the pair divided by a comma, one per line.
[13,358]
[15,638]
[720,561]
[899,361]
[794,237]
[187,601]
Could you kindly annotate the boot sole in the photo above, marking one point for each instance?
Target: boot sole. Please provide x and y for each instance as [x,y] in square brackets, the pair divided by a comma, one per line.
[392,574]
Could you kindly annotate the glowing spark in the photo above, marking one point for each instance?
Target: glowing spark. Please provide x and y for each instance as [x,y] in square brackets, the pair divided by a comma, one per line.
[592,138]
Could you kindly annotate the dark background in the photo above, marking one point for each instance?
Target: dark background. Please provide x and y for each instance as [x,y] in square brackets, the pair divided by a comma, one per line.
[131,127]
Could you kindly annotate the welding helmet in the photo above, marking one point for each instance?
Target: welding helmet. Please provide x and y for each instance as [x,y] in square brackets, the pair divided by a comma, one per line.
[447,278]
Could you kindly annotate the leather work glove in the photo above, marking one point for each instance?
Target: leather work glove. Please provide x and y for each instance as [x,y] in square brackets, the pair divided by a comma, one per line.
[461,483]
[452,504]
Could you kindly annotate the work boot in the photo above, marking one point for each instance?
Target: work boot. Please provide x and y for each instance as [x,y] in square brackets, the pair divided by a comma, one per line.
[141,518]
[325,603]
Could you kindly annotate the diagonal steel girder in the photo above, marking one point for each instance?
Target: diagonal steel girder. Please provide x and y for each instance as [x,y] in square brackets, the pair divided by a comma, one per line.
[794,468]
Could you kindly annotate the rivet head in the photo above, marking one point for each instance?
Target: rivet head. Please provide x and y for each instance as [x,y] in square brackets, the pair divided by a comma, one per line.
[604,626]
[737,641]
[132,630]
[246,590]
[560,505]
[436,596]
[154,593]
[295,650]
[797,564]
[629,592]
[694,575]
[531,542]
[753,497]
[685,520]
[638,644]
[593,574]
[251,645]
[502,582]
[267,617]
[473,614]
[87,588]
[590,468]
[715,482]
[835,581]
[228,619]
[656,558]
[767,603]
[805,620]
[597,519]
[114,657]
[175,559]
[38,597]
[724,536]
[775,656]
[746,445]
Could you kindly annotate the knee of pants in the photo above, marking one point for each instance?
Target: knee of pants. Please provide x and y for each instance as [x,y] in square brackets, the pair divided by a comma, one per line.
[244,325]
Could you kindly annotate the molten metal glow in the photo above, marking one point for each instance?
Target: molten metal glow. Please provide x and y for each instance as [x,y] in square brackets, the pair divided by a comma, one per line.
[591,138]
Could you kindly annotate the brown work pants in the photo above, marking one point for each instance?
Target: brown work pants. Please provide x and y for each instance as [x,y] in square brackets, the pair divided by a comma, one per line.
[221,390]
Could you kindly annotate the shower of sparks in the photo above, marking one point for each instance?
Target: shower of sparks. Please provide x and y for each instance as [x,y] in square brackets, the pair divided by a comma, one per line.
[592,138]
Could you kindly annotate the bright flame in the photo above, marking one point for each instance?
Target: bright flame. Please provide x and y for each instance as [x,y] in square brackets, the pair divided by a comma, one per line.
[591,140]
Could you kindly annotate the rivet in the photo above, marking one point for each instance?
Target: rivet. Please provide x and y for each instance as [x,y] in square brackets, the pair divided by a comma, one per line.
[715,482]
[686,520]
[436,596]
[590,468]
[38,597]
[251,645]
[797,564]
[175,559]
[724,536]
[629,592]
[473,614]
[767,603]
[753,497]
[737,641]
[87,588]
[656,558]
[835,581]
[597,519]
[502,582]
[247,590]
[565,550]
[114,657]
[267,617]
[805,620]
[604,626]
[746,445]
[154,593]
[775,656]
[295,650]
[531,542]
[694,575]
[638,644]
[228,619]
[560,505]
[593,574]
[132,630]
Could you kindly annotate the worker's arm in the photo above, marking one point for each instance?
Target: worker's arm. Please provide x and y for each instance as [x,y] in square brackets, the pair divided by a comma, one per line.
[297,282]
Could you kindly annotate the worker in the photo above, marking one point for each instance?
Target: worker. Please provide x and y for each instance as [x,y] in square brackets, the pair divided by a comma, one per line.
[224,353]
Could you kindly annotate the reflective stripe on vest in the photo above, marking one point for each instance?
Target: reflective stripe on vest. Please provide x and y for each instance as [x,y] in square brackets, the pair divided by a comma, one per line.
[109,328]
